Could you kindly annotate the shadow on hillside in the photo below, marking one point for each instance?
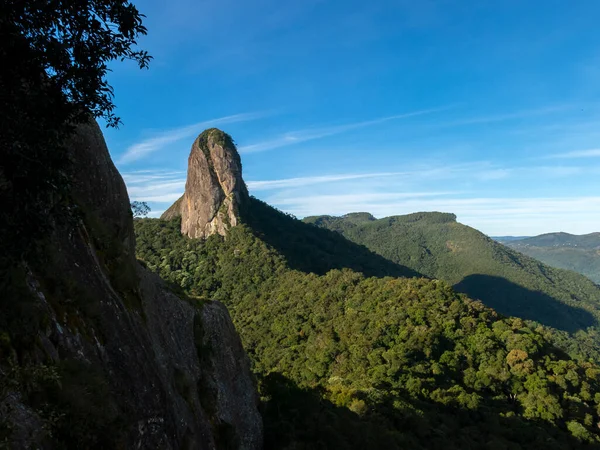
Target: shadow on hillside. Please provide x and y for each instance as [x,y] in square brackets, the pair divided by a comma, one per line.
[296,418]
[312,249]
[513,300]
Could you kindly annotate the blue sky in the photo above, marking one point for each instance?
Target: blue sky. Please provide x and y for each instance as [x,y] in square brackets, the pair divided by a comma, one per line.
[487,109]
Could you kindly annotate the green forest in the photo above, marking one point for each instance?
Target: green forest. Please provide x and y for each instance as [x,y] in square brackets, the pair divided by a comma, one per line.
[408,332]
[347,360]
[437,246]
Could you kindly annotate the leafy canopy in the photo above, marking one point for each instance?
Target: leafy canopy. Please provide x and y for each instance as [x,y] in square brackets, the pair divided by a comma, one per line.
[139,209]
[351,362]
[437,246]
[73,42]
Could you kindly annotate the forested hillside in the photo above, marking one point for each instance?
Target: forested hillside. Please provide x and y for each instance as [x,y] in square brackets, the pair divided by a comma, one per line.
[437,246]
[351,362]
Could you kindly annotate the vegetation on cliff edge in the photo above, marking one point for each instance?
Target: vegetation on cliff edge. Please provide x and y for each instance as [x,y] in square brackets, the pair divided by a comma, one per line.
[352,362]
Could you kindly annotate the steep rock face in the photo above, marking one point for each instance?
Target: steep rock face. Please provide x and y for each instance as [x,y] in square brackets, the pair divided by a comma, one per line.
[116,359]
[174,210]
[215,192]
[98,187]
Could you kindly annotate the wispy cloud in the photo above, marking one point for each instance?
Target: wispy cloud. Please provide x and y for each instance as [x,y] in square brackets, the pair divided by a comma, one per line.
[482,171]
[493,174]
[155,186]
[341,203]
[147,176]
[592,153]
[164,138]
[509,116]
[297,137]
[309,181]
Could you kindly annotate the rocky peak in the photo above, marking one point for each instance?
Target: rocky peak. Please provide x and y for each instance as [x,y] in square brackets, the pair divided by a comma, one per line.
[214,191]
[359,217]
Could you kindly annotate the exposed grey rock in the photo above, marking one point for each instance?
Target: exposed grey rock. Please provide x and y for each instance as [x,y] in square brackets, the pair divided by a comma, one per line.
[215,192]
[137,351]
[232,396]
[98,186]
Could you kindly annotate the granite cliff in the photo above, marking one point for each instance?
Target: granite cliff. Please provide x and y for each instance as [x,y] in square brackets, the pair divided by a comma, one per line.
[215,192]
[98,352]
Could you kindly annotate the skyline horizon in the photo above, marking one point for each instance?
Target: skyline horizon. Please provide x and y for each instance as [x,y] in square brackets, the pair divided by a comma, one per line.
[489,112]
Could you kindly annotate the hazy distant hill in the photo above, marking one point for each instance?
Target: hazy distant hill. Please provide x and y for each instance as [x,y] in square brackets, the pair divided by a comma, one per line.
[505,239]
[580,253]
[587,241]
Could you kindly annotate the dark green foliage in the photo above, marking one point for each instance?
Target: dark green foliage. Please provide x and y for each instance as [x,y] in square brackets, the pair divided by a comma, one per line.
[139,209]
[304,418]
[72,42]
[312,249]
[435,245]
[56,55]
[352,362]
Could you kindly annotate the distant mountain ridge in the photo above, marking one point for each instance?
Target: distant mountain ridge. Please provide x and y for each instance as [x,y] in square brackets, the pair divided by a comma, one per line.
[579,253]
[588,241]
[504,239]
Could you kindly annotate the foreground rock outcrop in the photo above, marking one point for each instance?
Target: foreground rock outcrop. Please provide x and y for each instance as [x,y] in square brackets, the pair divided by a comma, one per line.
[215,192]
[113,358]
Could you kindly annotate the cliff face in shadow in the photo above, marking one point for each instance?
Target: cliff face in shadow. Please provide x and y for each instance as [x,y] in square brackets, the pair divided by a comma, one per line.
[96,352]
[511,299]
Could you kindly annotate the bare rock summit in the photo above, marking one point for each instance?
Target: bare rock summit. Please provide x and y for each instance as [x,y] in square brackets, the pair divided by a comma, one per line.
[215,192]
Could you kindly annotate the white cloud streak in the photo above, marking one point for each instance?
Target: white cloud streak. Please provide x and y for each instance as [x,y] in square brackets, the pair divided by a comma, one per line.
[480,171]
[297,137]
[309,181]
[592,153]
[509,116]
[155,186]
[165,138]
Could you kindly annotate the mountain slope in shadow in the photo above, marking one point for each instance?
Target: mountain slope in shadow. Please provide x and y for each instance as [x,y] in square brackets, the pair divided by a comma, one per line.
[317,250]
[437,246]
[301,418]
[511,299]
